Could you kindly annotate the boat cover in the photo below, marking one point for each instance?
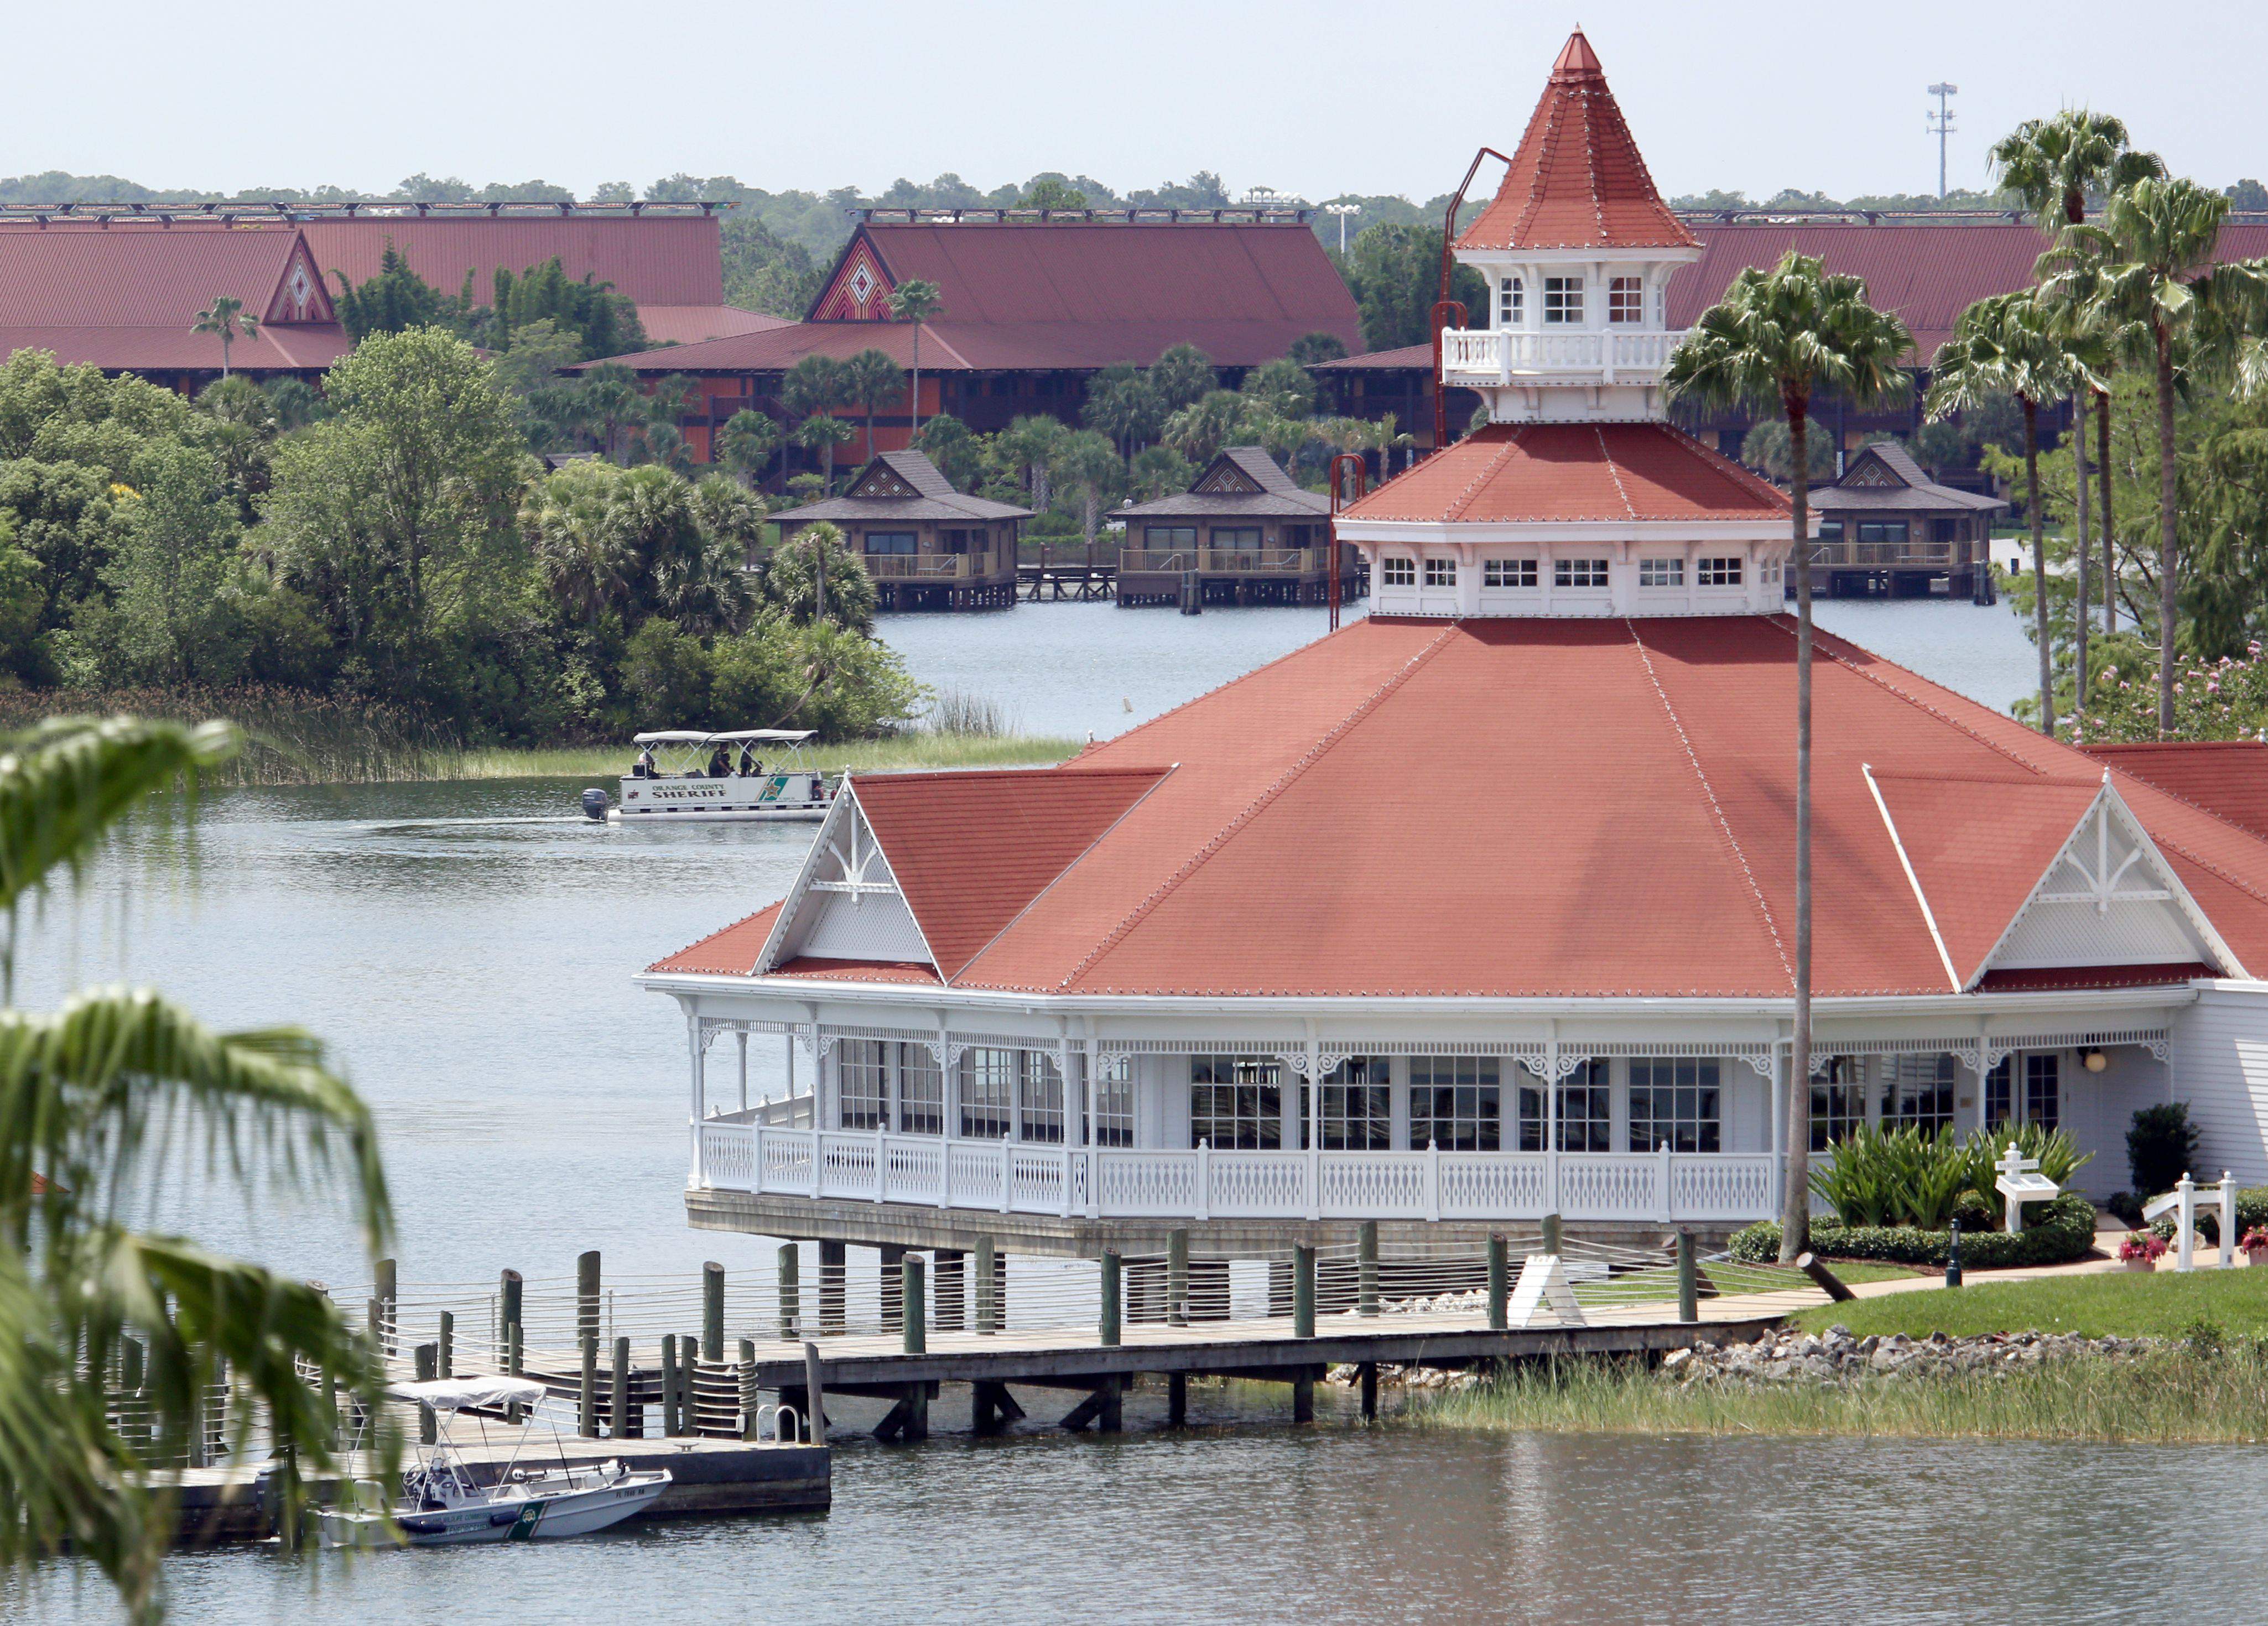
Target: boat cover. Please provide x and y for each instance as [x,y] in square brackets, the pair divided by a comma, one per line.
[694,736]
[458,1394]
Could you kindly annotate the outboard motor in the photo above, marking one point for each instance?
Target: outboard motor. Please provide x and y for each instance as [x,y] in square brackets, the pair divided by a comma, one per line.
[594,804]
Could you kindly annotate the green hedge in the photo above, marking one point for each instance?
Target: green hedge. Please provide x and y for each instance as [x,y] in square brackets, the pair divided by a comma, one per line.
[2056,1232]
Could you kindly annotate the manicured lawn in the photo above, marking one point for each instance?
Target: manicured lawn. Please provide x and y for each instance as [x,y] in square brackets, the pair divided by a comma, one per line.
[2127,1305]
[1852,1270]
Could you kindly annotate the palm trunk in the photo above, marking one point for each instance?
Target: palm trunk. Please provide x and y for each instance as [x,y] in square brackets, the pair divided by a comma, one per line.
[2039,560]
[2167,518]
[1795,1201]
[917,395]
[2081,551]
[2110,542]
[870,432]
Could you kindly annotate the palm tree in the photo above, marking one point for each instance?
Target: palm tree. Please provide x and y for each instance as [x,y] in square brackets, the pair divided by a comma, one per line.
[2147,267]
[2009,345]
[822,432]
[2055,166]
[747,442]
[916,301]
[226,317]
[91,1096]
[1775,339]
[1087,463]
[869,379]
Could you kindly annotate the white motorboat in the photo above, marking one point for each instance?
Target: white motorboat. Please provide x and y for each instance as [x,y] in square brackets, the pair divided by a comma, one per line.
[689,777]
[440,1505]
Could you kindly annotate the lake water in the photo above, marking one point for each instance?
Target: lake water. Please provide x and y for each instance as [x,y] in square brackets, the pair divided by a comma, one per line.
[466,949]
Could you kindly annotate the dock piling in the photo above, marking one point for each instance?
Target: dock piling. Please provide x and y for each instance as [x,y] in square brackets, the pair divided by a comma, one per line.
[1303,1396]
[790,1292]
[1500,1284]
[814,1419]
[1689,1283]
[428,1357]
[447,1349]
[713,1311]
[1177,1278]
[389,1303]
[1368,1373]
[618,1393]
[509,1291]
[1177,1400]
[749,1391]
[586,1415]
[988,1316]
[586,1294]
[1303,1291]
[1551,1235]
[1113,1272]
[672,1423]
[1366,1301]
[913,1291]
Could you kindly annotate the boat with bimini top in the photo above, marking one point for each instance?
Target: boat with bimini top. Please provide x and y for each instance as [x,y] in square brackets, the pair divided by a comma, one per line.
[689,776]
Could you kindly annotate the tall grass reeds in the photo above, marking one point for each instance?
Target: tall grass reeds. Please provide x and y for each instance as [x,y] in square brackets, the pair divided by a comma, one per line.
[2188,1394]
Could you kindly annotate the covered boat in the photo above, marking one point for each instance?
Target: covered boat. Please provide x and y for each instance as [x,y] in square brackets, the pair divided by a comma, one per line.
[690,775]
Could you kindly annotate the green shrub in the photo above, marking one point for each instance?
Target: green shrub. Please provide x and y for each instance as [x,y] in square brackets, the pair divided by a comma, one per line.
[2055,1233]
[1907,1177]
[2160,1148]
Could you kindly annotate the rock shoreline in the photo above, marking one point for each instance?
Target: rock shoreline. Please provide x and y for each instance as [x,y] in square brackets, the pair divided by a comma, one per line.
[1836,1356]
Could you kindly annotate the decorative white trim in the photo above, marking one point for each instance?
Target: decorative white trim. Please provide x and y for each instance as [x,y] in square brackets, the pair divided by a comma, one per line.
[1982,1055]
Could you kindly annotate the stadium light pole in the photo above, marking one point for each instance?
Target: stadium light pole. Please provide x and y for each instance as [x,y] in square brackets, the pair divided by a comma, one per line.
[1343,210]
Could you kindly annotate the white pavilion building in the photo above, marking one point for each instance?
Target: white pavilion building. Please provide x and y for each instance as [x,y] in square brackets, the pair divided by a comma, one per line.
[1481,908]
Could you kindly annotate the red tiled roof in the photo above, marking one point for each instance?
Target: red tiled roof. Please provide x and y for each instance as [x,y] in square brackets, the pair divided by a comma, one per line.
[1073,296]
[1539,472]
[652,259]
[694,324]
[733,950]
[2228,778]
[971,850]
[856,970]
[2061,978]
[1577,179]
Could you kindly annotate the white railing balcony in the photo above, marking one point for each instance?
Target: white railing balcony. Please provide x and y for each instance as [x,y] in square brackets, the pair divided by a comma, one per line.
[1498,358]
[1007,1176]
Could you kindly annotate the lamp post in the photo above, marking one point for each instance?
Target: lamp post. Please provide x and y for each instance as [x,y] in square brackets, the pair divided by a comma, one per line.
[1343,210]
[1941,125]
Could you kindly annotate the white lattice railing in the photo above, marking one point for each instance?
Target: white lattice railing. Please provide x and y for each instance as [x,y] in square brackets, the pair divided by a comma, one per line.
[870,1166]
[1485,357]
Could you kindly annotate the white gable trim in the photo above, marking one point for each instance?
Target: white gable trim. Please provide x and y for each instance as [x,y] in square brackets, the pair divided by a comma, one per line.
[840,837]
[1928,915]
[2087,849]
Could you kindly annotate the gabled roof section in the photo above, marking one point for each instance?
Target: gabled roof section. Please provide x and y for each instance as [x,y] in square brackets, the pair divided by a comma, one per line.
[2226,778]
[1577,180]
[901,473]
[1884,476]
[970,851]
[733,951]
[1542,473]
[1244,468]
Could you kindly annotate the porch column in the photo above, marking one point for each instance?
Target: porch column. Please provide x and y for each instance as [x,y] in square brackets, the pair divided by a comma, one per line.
[893,1073]
[742,1035]
[1781,1050]
[948,1074]
[1552,1203]
[788,1038]
[1314,1126]
[1984,1066]
[699,1092]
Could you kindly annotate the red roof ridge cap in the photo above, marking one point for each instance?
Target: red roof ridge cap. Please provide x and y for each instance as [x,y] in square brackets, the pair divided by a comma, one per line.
[1032,902]
[1724,824]
[1829,642]
[2197,807]
[1738,471]
[1487,472]
[1283,781]
[1927,775]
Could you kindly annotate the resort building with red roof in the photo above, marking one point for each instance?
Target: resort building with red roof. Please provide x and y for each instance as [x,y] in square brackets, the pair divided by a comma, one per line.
[1483,908]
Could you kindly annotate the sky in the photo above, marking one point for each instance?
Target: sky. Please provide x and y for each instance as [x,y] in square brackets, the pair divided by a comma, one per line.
[1319,99]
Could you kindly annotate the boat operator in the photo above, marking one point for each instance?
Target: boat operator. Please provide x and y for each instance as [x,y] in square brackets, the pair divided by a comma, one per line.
[643,769]
[720,765]
[749,767]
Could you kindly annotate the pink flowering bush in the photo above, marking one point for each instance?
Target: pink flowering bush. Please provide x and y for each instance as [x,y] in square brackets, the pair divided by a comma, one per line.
[2223,699]
[2142,1245]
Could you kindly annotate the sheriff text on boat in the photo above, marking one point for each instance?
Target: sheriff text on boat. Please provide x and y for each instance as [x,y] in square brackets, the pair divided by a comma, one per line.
[684,775]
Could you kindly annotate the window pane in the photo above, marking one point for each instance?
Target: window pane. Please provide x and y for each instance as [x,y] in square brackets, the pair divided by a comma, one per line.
[921,1091]
[1398,572]
[1441,572]
[1673,1102]
[1453,1103]
[1838,1102]
[1625,300]
[1918,1092]
[1042,1098]
[1509,573]
[987,1078]
[858,1084]
[2041,1103]
[1114,1102]
[1236,1104]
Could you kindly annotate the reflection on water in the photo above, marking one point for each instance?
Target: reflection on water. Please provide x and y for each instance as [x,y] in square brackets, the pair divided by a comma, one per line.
[1259,1522]
[467,949]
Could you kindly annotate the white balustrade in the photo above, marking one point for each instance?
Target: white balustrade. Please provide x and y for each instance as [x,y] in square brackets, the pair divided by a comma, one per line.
[1111,1182]
[1487,358]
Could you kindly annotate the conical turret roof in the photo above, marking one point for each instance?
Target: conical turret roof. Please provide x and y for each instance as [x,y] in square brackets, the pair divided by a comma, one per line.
[1577,180]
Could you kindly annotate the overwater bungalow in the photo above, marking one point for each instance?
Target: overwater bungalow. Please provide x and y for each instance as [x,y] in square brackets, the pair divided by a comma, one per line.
[1886,529]
[927,545]
[1483,908]
[1245,532]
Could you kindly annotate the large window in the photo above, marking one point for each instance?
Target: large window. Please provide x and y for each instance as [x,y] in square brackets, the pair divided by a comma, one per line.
[861,1083]
[1720,572]
[988,1083]
[1040,1082]
[1563,299]
[1997,1107]
[1830,531]
[1674,1101]
[1625,299]
[1241,539]
[1441,572]
[1509,573]
[1358,1106]
[1579,572]
[1661,572]
[1883,531]
[1455,1103]
[2041,1103]
[1511,302]
[1395,570]
[1918,1092]
[1169,538]
[921,1092]
[1585,1111]
[1236,1103]
[1838,1102]
[1114,1102]
[892,541]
